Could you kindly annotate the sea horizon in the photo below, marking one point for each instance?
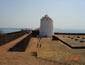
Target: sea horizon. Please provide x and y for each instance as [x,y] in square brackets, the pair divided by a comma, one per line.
[9,30]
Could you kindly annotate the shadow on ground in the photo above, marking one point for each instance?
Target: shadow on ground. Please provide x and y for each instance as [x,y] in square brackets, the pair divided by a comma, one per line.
[21,46]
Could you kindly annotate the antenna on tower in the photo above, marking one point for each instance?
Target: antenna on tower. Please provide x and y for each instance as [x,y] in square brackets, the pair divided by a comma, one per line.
[44,11]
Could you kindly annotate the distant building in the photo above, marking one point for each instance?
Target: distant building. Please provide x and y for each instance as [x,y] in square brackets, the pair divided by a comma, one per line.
[46,26]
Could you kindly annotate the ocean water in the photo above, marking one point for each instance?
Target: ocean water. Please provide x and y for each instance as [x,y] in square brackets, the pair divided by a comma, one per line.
[70,30]
[9,30]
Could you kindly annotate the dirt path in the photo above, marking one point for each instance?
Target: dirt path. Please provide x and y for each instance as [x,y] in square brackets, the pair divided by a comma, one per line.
[32,47]
[22,58]
[5,47]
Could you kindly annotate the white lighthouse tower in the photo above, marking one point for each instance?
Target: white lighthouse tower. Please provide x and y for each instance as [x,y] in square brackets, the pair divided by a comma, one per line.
[46,26]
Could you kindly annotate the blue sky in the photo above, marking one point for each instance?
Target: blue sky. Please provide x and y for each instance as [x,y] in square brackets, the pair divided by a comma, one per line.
[66,14]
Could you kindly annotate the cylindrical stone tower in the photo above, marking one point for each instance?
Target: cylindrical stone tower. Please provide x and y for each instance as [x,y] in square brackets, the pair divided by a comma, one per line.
[46,26]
